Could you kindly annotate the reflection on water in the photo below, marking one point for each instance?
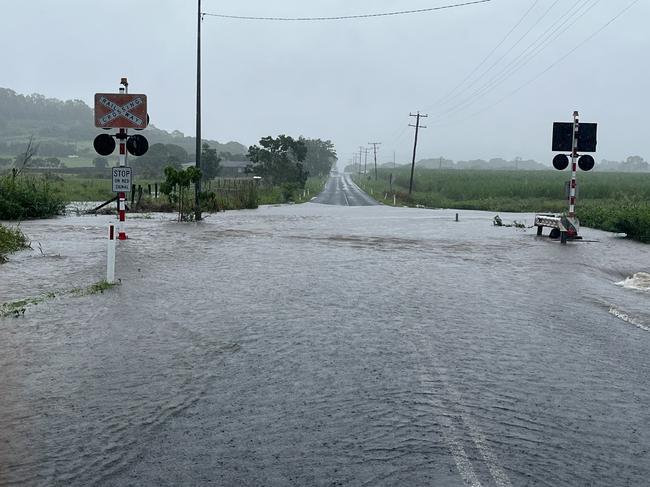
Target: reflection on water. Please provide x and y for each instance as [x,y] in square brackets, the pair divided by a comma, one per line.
[317,344]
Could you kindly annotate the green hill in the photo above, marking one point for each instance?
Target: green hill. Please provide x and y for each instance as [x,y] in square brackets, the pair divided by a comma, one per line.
[65,129]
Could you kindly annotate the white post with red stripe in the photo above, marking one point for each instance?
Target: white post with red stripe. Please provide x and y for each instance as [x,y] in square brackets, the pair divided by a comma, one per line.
[110,255]
[121,199]
[574,166]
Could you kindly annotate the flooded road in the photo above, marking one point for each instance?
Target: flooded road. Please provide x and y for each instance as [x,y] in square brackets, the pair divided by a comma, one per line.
[326,345]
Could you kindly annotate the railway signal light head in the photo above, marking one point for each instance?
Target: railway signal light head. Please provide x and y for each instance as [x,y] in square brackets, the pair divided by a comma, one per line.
[560,162]
[104,144]
[586,163]
[137,145]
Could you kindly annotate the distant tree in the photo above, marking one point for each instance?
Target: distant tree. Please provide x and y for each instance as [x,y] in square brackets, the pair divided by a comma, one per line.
[100,162]
[210,163]
[177,153]
[177,184]
[635,163]
[279,160]
[157,158]
[23,160]
[228,156]
[320,157]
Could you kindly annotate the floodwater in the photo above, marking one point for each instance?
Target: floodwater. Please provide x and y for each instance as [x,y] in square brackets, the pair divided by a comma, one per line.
[326,345]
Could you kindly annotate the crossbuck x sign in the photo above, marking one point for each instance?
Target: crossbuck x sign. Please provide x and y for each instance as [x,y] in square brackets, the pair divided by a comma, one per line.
[120,110]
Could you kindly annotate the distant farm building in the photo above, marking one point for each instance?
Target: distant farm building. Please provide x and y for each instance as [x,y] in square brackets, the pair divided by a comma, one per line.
[234,169]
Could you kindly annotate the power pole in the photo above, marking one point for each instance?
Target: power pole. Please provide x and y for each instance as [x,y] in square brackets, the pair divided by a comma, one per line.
[365,163]
[360,158]
[374,148]
[197,185]
[417,126]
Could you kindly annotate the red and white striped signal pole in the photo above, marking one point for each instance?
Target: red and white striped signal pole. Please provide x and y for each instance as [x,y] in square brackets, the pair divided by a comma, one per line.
[574,166]
[121,200]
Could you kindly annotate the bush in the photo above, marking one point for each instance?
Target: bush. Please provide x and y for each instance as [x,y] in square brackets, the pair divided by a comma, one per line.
[632,219]
[11,240]
[28,197]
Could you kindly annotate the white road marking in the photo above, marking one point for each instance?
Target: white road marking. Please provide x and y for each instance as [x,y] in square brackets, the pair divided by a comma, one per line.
[498,474]
[463,463]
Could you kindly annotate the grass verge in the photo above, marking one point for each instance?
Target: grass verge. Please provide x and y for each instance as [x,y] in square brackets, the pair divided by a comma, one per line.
[614,202]
[17,308]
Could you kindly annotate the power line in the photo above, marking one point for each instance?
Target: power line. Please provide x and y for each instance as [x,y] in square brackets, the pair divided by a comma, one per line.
[558,61]
[496,63]
[485,59]
[537,46]
[345,17]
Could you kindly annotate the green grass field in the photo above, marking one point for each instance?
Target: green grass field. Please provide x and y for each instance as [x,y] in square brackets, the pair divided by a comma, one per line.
[616,202]
[75,188]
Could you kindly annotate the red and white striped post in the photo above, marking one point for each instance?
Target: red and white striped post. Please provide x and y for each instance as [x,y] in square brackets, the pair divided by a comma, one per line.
[121,200]
[574,166]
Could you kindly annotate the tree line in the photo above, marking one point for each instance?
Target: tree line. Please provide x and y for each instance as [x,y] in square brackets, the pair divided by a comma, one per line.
[58,126]
[630,164]
[285,160]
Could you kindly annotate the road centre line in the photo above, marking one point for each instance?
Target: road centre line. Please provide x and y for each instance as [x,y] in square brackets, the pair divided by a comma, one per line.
[463,464]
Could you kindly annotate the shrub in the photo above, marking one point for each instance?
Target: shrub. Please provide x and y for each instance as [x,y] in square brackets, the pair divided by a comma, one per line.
[28,197]
[11,240]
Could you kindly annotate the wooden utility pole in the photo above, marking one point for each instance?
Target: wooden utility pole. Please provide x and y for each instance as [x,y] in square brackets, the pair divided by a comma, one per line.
[417,126]
[197,185]
[365,162]
[360,152]
[374,149]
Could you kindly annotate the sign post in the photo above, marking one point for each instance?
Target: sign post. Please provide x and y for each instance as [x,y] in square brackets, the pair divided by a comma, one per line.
[575,137]
[121,111]
[574,166]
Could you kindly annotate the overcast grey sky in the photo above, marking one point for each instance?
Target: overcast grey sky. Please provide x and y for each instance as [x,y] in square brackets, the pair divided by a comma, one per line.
[352,81]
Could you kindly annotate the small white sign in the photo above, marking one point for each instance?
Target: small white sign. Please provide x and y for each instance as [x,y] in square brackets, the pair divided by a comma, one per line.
[122,179]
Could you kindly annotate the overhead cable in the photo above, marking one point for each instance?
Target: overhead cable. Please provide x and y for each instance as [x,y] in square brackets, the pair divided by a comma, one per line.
[485,59]
[345,17]
[552,65]
[568,19]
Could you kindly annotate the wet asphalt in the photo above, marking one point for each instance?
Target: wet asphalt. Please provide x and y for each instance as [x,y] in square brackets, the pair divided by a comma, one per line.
[340,190]
[326,344]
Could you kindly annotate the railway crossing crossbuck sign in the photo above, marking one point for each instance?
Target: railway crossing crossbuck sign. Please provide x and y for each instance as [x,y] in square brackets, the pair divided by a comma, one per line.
[121,111]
